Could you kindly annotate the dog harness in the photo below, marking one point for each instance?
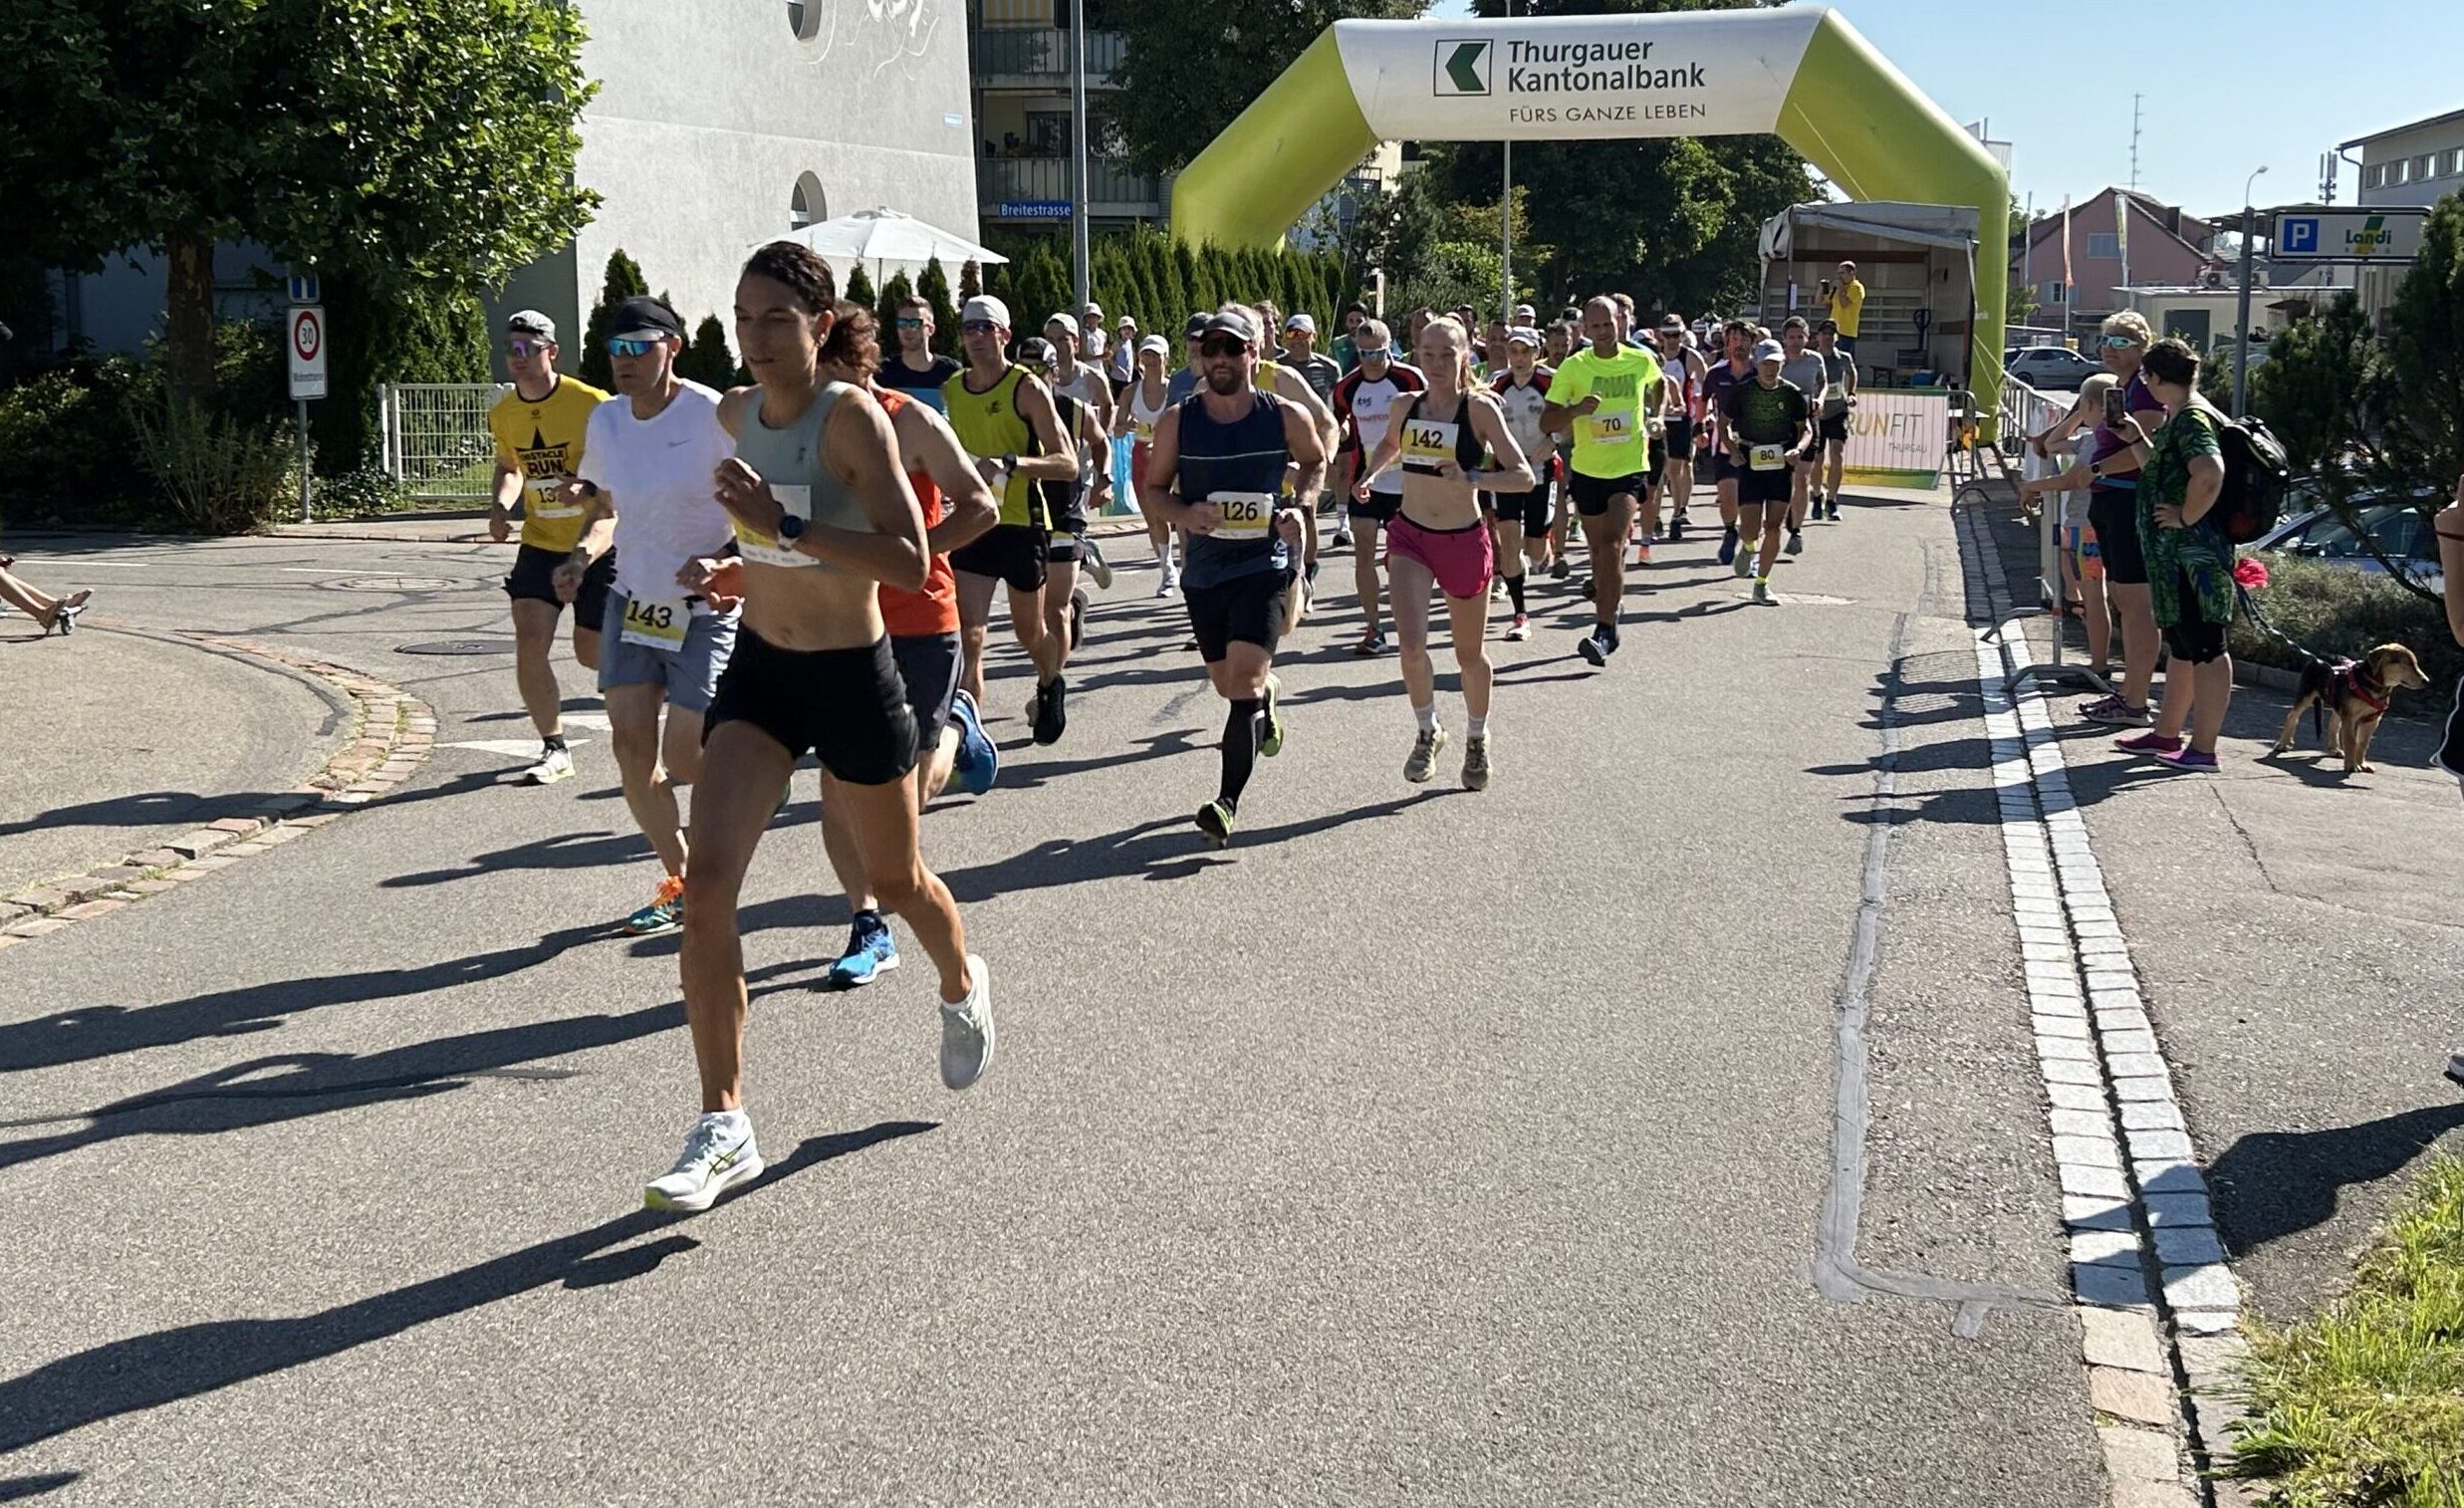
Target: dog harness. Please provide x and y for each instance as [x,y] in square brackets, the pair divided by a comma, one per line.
[2349,679]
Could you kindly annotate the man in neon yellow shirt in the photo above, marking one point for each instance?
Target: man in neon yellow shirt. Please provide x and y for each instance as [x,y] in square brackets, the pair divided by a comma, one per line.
[1601,396]
[1847,306]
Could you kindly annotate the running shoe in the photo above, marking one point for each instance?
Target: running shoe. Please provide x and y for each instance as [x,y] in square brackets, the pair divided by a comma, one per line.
[1587,587]
[1744,563]
[979,758]
[1423,761]
[870,952]
[1677,529]
[1642,554]
[2149,742]
[1728,546]
[1519,629]
[665,914]
[966,1030]
[2116,712]
[1372,644]
[1167,581]
[1476,762]
[2189,759]
[1762,591]
[719,1153]
[1052,717]
[554,765]
[1497,589]
[1796,542]
[1271,741]
[1097,568]
[1078,616]
[1215,821]
[2455,1067]
[1558,570]
[1594,646]
[1831,510]
[1342,538]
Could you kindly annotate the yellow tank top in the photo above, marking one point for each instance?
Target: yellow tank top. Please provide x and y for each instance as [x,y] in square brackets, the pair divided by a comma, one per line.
[989,425]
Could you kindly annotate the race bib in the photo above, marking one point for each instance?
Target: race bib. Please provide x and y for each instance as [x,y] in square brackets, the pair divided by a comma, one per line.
[1142,432]
[544,503]
[1246,515]
[656,623]
[767,550]
[1427,444]
[1767,457]
[1609,427]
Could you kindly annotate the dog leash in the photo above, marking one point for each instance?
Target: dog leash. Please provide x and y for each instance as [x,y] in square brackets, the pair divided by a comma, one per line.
[2250,608]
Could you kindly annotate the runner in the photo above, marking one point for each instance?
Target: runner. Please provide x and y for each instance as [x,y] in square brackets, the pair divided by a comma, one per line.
[1300,354]
[1005,418]
[1072,377]
[1362,400]
[1830,425]
[1733,369]
[1684,413]
[647,456]
[1186,380]
[1347,347]
[916,368]
[539,429]
[1521,519]
[1439,538]
[1273,375]
[1766,423]
[1216,470]
[1810,371]
[815,482]
[1600,395]
[923,639]
[1141,404]
[1069,504]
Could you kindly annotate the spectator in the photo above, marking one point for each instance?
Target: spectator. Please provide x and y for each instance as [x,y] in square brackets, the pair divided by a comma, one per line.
[1845,303]
[47,612]
[2082,565]
[2114,510]
[1124,368]
[1347,347]
[2189,562]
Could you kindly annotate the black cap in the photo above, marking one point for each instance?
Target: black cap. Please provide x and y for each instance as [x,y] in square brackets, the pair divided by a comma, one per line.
[1195,328]
[1230,324]
[643,318]
[1036,353]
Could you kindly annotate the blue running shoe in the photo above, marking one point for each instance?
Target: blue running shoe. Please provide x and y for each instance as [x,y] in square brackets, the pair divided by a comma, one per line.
[871,953]
[1728,546]
[979,761]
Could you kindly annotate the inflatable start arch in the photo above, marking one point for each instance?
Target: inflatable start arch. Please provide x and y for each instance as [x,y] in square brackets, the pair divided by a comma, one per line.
[1802,73]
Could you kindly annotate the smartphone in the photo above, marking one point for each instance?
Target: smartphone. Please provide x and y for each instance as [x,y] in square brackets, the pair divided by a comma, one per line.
[2114,410]
[1826,285]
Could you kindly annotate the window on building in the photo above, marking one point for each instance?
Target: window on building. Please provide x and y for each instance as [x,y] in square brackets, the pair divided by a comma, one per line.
[2449,161]
[805,20]
[1048,133]
[2374,175]
[2049,293]
[2105,244]
[2397,171]
[2421,167]
[806,205]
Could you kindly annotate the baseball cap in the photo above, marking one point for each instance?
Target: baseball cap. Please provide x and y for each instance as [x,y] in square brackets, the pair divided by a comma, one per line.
[1230,324]
[1672,325]
[1093,309]
[985,307]
[1156,343]
[1770,351]
[1036,353]
[643,318]
[530,322]
[1523,313]
[1301,321]
[1067,321]
[1523,335]
[1195,328]
[1125,323]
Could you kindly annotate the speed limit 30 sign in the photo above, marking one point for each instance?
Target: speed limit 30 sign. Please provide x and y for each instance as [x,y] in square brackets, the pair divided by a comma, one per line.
[306,348]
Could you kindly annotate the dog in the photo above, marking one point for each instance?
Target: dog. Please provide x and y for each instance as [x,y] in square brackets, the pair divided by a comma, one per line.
[2352,696]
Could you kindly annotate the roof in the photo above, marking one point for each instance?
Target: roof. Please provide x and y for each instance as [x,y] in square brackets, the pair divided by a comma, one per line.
[2393,131]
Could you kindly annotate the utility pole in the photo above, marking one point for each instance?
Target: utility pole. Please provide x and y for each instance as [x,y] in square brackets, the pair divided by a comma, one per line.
[1078,143]
[2135,142]
[2240,317]
[1505,220]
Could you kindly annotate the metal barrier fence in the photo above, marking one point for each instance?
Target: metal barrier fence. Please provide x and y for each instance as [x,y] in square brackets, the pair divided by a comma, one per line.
[437,440]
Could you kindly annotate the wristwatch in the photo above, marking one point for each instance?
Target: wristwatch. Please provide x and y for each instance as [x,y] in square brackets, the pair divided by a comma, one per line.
[791,529]
[1009,461]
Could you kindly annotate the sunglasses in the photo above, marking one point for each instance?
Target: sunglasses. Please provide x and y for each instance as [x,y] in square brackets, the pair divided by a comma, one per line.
[620,347]
[911,324]
[2120,342]
[1223,345]
[978,327]
[525,349]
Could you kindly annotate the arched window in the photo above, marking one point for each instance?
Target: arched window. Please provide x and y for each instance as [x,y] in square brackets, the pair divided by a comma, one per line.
[808,203]
[803,19]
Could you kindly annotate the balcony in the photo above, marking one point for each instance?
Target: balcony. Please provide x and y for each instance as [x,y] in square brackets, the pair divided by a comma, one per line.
[1038,57]
[1114,192]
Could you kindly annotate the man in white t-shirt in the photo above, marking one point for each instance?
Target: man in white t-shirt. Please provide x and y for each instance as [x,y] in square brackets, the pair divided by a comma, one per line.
[648,455]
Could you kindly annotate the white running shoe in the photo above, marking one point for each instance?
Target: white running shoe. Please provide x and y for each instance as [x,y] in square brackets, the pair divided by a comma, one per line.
[1097,566]
[966,1030]
[1423,761]
[554,765]
[719,1153]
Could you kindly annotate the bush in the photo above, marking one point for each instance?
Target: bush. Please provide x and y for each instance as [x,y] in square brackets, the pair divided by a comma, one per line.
[706,359]
[363,493]
[64,455]
[216,474]
[624,281]
[2335,611]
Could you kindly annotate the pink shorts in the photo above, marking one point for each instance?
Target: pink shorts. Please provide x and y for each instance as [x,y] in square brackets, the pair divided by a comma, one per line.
[1461,559]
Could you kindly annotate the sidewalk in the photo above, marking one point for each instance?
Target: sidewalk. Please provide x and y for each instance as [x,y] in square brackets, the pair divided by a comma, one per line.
[2300,943]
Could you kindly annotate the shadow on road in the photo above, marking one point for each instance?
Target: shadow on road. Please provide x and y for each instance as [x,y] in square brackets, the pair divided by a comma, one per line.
[2269,1184]
[17,1489]
[146,1372]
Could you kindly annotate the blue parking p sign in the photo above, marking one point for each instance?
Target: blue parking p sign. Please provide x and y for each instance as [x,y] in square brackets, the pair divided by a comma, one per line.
[2300,235]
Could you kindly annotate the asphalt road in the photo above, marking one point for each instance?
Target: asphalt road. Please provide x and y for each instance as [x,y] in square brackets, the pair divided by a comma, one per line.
[1424,1147]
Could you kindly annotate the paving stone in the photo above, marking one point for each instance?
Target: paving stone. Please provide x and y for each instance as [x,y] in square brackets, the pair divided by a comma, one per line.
[44,897]
[2075,1095]
[206,865]
[202,842]
[87,911]
[2151,1114]
[2123,1017]
[2132,1454]
[40,926]
[2072,1048]
[2087,1151]
[2067,1007]
[2119,1248]
[2141,1396]
[276,836]
[2122,1339]
[2078,1122]
[2215,1417]
[285,804]
[149,886]
[2188,1246]
[156,858]
[311,820]
[2156,1146]
[2168,1176]
[2142,1086]
[2138,1065]
[2094,1214]
[2213,1361]
[2072,1073]
[2208,1286]
[243,849]
[9,940]
[95,881]
[2061,1026]
[2151,1495]
[2207,1322]
[2124,1043]
[2099,1183]
[235,824]
[2114,1287]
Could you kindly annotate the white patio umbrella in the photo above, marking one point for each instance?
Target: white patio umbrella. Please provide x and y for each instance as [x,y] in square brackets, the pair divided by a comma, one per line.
[882,236]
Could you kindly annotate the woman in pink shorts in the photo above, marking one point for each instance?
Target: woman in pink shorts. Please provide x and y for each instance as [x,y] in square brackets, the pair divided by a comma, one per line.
[1439,537]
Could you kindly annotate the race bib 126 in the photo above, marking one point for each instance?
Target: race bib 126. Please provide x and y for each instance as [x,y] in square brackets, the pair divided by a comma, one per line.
[1246,515]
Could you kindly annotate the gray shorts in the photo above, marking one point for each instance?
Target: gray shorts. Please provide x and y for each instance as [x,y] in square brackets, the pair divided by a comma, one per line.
[928,663]
[690,674]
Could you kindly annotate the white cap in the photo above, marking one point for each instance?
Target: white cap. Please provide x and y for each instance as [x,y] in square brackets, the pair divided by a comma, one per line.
[1156,343]
[1770,351]
[1068,322]
[1301,321]
[985,307]
[1124,322]
[1523,335]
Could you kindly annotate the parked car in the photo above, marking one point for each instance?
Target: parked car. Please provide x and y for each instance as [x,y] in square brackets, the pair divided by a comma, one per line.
[2399,528]
[2048,369]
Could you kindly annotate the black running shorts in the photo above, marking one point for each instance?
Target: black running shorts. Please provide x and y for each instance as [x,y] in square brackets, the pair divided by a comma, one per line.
[848,707]
[534,580]
[1249,609]
[1592,493]
[1013,552]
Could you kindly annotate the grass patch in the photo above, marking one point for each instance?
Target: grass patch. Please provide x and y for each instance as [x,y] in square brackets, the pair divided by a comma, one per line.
[2364,1404]
[2338,612]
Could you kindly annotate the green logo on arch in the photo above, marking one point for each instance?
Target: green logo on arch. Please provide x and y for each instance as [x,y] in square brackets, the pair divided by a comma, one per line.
[1463,67]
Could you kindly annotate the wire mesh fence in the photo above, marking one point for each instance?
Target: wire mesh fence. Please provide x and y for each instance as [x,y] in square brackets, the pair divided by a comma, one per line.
[436,441]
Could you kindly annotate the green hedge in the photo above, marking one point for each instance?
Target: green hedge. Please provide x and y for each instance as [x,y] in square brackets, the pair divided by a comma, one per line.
[1146,275]
[2336,611]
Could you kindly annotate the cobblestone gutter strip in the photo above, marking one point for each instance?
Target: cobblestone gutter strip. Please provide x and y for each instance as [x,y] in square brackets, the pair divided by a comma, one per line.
[392,733]
[2159,1311]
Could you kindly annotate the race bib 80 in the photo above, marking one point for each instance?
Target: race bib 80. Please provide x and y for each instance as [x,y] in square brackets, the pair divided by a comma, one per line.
[1767,457]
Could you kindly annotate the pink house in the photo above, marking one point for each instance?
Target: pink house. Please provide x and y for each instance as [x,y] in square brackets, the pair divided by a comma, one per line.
[2166,247]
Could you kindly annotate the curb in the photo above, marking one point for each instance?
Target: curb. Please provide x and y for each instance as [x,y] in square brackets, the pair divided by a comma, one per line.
[392,734]
[2159,1310]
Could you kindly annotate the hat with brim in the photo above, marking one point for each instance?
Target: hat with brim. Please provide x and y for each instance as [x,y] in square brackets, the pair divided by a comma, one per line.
[643,317]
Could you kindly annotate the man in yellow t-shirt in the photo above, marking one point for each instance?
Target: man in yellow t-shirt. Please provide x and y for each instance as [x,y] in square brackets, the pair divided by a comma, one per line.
[1608,396]
[1847,306]
[538,429]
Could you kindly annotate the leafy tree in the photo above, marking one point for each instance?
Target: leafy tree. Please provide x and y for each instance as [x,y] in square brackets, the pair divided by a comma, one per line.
[379,334]
[413,147]
[622,281]
[894,293]
[934,285]
[858,289]
[970,280]
[706,359]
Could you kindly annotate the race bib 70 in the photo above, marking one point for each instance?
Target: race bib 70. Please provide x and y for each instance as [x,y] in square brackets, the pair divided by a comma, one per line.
[1609,427]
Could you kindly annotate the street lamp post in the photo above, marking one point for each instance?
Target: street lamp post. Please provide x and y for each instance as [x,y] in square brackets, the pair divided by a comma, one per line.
[2241,318]
[1505,220]
[1080,257]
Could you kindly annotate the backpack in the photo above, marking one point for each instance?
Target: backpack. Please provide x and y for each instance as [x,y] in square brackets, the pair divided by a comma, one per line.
[2256,477]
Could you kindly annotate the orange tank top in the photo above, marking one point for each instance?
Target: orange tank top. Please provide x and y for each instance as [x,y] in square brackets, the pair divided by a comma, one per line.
[934,611]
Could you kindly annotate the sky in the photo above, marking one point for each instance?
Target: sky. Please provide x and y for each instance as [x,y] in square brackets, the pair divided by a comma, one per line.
[2230,86]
